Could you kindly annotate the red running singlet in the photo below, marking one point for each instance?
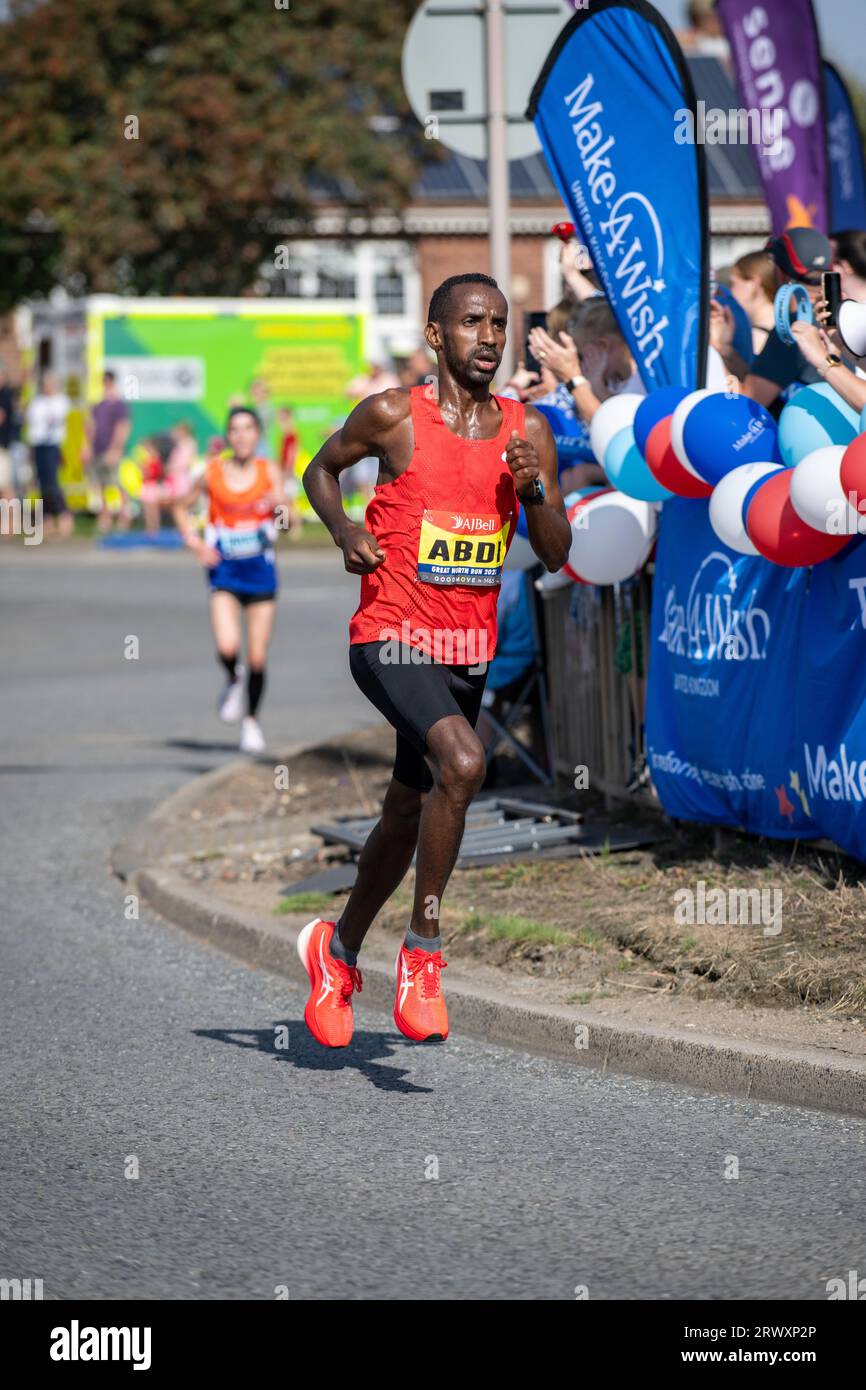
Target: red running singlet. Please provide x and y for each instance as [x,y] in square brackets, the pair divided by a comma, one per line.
[445,526]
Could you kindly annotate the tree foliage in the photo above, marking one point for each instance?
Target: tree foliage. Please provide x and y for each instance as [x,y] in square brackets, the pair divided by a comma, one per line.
[245,111]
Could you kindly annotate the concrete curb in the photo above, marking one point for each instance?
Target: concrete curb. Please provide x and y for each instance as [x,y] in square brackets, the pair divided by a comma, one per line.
[145,844]
[791,1076]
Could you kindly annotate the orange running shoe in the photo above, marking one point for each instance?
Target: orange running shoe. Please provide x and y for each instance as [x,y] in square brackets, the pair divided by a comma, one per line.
[328,1013]
[419,1009]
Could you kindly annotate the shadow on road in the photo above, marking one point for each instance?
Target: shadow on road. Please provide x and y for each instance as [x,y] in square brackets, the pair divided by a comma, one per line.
[198,745]
[304,1051]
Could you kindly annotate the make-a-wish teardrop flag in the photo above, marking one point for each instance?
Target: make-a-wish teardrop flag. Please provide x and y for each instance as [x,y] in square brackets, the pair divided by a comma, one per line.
[610,107]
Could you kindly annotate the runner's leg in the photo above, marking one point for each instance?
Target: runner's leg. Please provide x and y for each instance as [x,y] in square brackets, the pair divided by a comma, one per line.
[384,862]
[260,622]
[433,709]
[456,758]
[225,617]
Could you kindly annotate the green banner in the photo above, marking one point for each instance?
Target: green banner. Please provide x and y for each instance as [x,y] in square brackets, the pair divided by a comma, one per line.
[193,366]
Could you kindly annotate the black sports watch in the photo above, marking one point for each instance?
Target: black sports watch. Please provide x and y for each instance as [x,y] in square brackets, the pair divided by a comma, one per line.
[536,496]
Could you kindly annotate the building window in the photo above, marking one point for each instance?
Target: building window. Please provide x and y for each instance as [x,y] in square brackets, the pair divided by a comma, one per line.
[389,290]
[314,270]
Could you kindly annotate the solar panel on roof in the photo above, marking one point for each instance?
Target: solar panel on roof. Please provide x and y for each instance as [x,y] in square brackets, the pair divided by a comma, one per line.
[731,171]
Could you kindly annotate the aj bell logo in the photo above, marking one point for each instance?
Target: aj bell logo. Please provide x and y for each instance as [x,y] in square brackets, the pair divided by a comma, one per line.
[76,1343]
[632,285]
[708,626]
[475,523]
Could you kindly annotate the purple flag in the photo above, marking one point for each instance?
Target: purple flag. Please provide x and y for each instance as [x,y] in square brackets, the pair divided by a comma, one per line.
[777,62]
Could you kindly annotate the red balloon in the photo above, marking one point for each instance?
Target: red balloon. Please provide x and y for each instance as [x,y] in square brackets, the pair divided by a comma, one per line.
[853,472]
[779,534]
[666,467]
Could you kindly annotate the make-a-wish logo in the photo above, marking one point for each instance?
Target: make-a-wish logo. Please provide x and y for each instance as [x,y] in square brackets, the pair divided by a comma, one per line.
[841,153]
[623,231]
[790,805]
[709,625]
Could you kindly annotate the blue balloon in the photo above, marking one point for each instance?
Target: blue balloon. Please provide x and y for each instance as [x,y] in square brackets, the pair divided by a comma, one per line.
[723,430]
[657,406]
[815,417]
[627,469]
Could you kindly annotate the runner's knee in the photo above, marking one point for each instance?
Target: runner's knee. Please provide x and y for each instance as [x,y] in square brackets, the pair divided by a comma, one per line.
[459,769]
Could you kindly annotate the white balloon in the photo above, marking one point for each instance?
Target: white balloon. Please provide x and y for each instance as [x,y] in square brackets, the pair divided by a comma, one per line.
[726,504]
[817,496]
[611,537]
[612,416]
[678,424]
[852,326]
[559,580]
[520,555]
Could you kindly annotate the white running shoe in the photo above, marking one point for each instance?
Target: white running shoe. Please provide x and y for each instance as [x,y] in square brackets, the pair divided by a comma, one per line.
[252,738]
[231,705]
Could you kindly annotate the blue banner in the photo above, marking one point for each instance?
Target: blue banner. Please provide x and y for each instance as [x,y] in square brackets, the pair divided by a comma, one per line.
[844,156]
[756,708]
[614,108]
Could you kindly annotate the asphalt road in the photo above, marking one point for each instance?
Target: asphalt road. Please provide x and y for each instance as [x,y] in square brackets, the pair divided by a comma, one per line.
[389,1171]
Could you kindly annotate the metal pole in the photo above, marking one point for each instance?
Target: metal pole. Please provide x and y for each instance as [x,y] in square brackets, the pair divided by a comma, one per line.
[497,167]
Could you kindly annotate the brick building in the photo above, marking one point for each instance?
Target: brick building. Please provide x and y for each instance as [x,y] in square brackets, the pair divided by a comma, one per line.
[392,263]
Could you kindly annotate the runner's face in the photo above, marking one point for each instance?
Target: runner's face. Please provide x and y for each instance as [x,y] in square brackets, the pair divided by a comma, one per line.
[473,335]
[242,435]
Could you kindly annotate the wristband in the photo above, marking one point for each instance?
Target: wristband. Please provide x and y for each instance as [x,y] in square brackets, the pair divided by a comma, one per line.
[536,496]
[575,381]
[782,310]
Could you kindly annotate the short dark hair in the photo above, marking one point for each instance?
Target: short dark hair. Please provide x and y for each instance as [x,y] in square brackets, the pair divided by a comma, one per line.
[109,375]
[851,247]
[439,303]
[243,410]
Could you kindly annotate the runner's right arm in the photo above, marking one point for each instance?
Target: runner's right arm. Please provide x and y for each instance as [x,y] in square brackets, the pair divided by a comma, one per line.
[365,433]
[192,540]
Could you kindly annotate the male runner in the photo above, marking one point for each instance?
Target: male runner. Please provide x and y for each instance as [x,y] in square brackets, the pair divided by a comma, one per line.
[436,533]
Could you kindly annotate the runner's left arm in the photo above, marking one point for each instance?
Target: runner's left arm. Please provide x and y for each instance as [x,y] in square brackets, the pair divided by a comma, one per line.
[531,458]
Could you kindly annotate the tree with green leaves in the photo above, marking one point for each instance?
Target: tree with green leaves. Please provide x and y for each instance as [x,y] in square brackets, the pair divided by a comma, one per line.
[158,148]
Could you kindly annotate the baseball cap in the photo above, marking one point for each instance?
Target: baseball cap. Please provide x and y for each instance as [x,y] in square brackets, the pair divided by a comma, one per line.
[801,252]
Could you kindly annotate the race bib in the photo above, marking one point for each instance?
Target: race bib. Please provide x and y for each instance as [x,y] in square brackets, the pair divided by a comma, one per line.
[241,542]
[458,548]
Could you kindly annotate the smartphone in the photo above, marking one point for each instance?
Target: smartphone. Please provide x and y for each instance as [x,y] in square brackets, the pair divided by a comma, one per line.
[831,291]
[533,318]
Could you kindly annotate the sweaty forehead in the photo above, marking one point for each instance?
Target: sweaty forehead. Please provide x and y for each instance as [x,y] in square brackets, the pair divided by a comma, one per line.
[477,299]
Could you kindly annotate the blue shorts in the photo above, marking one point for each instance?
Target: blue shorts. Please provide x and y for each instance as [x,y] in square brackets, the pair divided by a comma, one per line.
[252,578]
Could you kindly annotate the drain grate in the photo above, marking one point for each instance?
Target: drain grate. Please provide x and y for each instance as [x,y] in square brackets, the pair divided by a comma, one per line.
[496,828]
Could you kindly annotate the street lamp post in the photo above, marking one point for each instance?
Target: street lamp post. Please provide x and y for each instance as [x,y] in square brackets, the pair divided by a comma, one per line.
[498,193]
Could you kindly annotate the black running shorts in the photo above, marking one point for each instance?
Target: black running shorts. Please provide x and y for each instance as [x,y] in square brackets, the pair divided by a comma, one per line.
[413,696]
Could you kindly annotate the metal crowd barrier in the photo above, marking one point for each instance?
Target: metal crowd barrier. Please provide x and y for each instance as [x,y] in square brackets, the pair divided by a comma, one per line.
[596,705]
